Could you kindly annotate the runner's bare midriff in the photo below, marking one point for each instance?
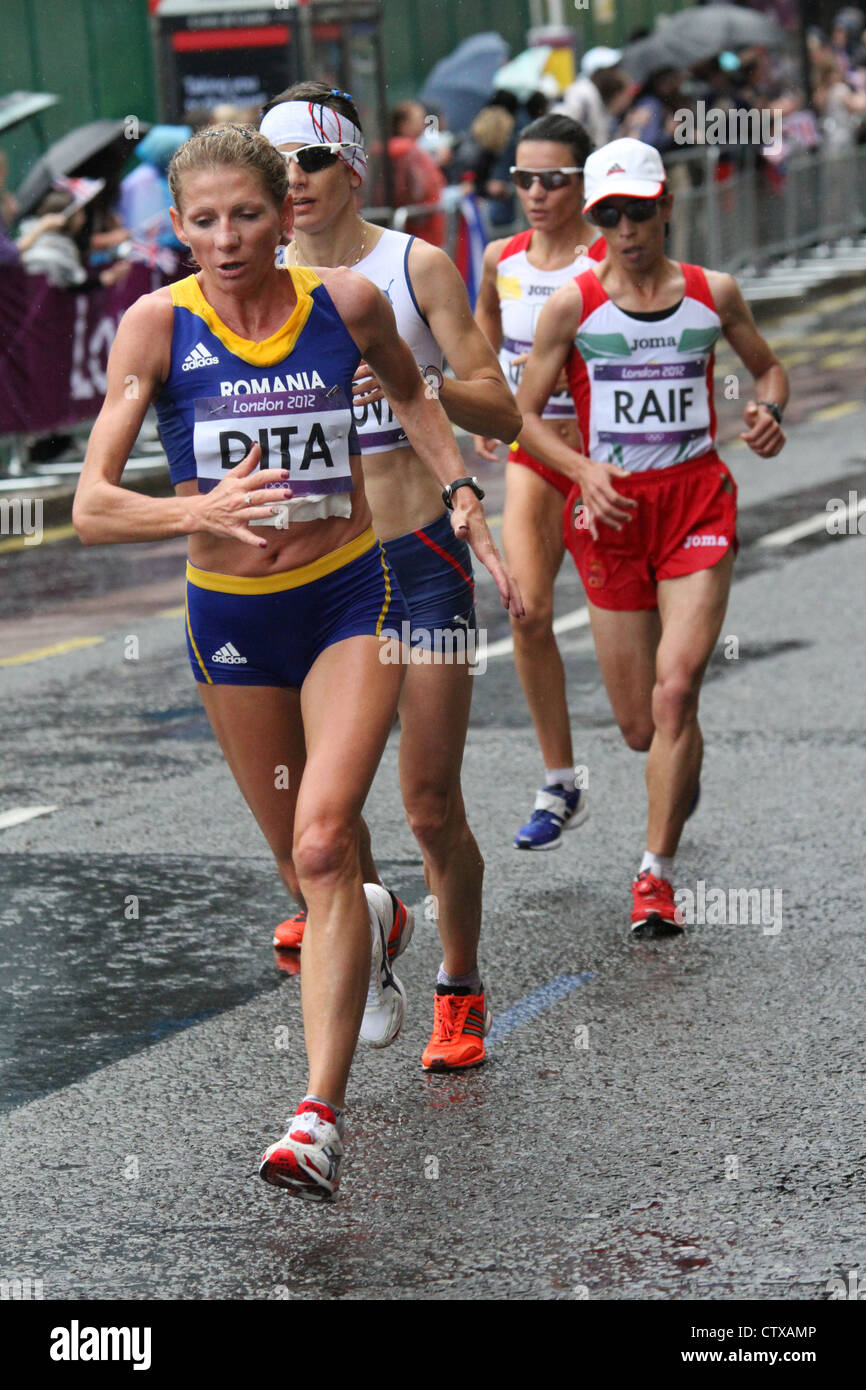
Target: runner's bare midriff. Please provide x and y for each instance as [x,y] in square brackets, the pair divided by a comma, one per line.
[403,496]
[297,544]
[566,430]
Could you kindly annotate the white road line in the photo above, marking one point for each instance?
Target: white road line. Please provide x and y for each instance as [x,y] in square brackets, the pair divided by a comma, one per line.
[22,813]
[579,617]
[811,524]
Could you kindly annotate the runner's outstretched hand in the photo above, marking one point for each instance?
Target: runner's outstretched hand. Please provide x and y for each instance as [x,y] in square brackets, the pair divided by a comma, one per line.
[763,436]
[225,510]
[470,524]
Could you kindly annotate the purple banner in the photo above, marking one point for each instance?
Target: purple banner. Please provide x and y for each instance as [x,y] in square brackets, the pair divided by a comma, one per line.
[383,439]
[54,347]
[650,436]
[648,371]
[512,345]
[245,404]
[551,410]
[301,487]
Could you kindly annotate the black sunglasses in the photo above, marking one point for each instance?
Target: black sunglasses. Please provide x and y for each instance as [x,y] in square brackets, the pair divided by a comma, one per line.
[636,210]
[313,158]
[548,178]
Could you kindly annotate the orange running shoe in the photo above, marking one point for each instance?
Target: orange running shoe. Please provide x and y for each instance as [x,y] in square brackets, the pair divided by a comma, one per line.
[654,912]
[289,934]
[460,1024]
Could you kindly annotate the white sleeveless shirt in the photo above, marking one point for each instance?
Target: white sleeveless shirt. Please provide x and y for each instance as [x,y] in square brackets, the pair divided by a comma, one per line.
[644,388]
[387,266]
[523,292]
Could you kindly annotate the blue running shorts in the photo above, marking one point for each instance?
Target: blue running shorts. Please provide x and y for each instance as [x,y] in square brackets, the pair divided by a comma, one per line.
[269,630]
[434,571]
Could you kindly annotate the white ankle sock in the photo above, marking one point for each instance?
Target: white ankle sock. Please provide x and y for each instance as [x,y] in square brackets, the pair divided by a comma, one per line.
[559,777]
[471,981]
[658,864]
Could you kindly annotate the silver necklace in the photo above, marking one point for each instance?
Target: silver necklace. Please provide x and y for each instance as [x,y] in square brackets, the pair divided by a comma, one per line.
[349,264]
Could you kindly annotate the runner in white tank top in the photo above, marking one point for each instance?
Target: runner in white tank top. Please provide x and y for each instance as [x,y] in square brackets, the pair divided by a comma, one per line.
[430,559]
[520,275]
[651,520]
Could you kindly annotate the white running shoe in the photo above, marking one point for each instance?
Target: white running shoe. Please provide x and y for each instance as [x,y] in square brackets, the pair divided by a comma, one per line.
[386,998]
[306,1161]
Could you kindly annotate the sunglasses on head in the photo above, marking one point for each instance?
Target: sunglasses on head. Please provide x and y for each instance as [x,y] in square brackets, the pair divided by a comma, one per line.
[548,178]
[636,210]
[313,158]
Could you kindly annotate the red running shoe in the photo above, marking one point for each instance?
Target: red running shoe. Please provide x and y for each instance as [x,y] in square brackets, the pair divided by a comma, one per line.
[654,912]
[306,1161]
[289,934]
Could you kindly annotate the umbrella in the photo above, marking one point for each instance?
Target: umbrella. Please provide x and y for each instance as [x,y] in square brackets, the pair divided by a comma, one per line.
[652,54]
[17,106]
[463,82]
[522,75]
[704,32]
[693,35]
[96,150]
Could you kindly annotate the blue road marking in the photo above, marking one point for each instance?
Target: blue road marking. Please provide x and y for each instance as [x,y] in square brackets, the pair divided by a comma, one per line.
[534,1004]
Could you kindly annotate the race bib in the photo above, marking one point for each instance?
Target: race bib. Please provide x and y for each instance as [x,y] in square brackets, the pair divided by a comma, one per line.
[306,432]
[651,402]
[559,404]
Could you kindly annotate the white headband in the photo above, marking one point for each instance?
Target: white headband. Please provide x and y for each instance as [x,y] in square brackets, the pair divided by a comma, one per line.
[313,123]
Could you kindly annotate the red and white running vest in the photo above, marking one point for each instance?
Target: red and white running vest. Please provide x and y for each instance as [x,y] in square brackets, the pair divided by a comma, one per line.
[644,389]
[523,292]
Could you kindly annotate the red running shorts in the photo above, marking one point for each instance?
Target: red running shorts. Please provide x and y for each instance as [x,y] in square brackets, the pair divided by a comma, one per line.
[685,521]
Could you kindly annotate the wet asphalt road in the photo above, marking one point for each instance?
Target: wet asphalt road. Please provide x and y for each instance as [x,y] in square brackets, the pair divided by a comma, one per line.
[671,1120]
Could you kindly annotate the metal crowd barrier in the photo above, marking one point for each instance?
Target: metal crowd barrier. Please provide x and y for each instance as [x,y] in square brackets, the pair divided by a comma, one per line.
[760,214]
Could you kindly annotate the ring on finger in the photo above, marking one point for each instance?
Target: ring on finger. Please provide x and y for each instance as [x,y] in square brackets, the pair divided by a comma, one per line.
[247,498]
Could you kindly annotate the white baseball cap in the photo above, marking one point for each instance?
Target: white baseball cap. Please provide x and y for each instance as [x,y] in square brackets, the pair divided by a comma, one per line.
[596,58]
[623,169]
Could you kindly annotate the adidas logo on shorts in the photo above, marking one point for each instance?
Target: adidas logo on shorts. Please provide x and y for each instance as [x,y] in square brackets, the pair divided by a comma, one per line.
[229,655]
[199,357]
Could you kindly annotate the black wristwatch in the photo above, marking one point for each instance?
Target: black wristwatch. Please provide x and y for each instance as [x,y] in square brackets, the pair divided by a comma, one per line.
[449,491]
[774,409]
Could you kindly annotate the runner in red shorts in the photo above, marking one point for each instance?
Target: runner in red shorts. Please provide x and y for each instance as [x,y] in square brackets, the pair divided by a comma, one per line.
[651,518]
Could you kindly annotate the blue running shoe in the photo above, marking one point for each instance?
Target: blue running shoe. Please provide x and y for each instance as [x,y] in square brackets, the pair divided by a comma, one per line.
[556,809]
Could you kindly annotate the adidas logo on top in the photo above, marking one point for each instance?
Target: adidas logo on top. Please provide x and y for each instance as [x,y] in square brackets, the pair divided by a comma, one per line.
[229,655]
[199,357]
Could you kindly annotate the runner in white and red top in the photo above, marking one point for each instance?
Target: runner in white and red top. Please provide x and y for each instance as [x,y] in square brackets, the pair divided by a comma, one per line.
[651,518]
[520,274]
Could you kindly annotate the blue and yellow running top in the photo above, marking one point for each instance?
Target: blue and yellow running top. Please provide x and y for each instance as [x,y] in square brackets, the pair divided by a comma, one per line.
[291,393]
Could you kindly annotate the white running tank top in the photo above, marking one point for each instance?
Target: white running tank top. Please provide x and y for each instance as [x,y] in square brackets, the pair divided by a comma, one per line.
[387,265]
[523,292]
[644,388]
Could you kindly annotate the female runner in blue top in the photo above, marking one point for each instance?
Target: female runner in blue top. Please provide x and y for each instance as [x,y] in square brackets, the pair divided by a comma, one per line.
[252,365]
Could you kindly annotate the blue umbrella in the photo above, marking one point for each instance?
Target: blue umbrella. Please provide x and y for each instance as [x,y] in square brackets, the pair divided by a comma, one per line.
[463,82]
